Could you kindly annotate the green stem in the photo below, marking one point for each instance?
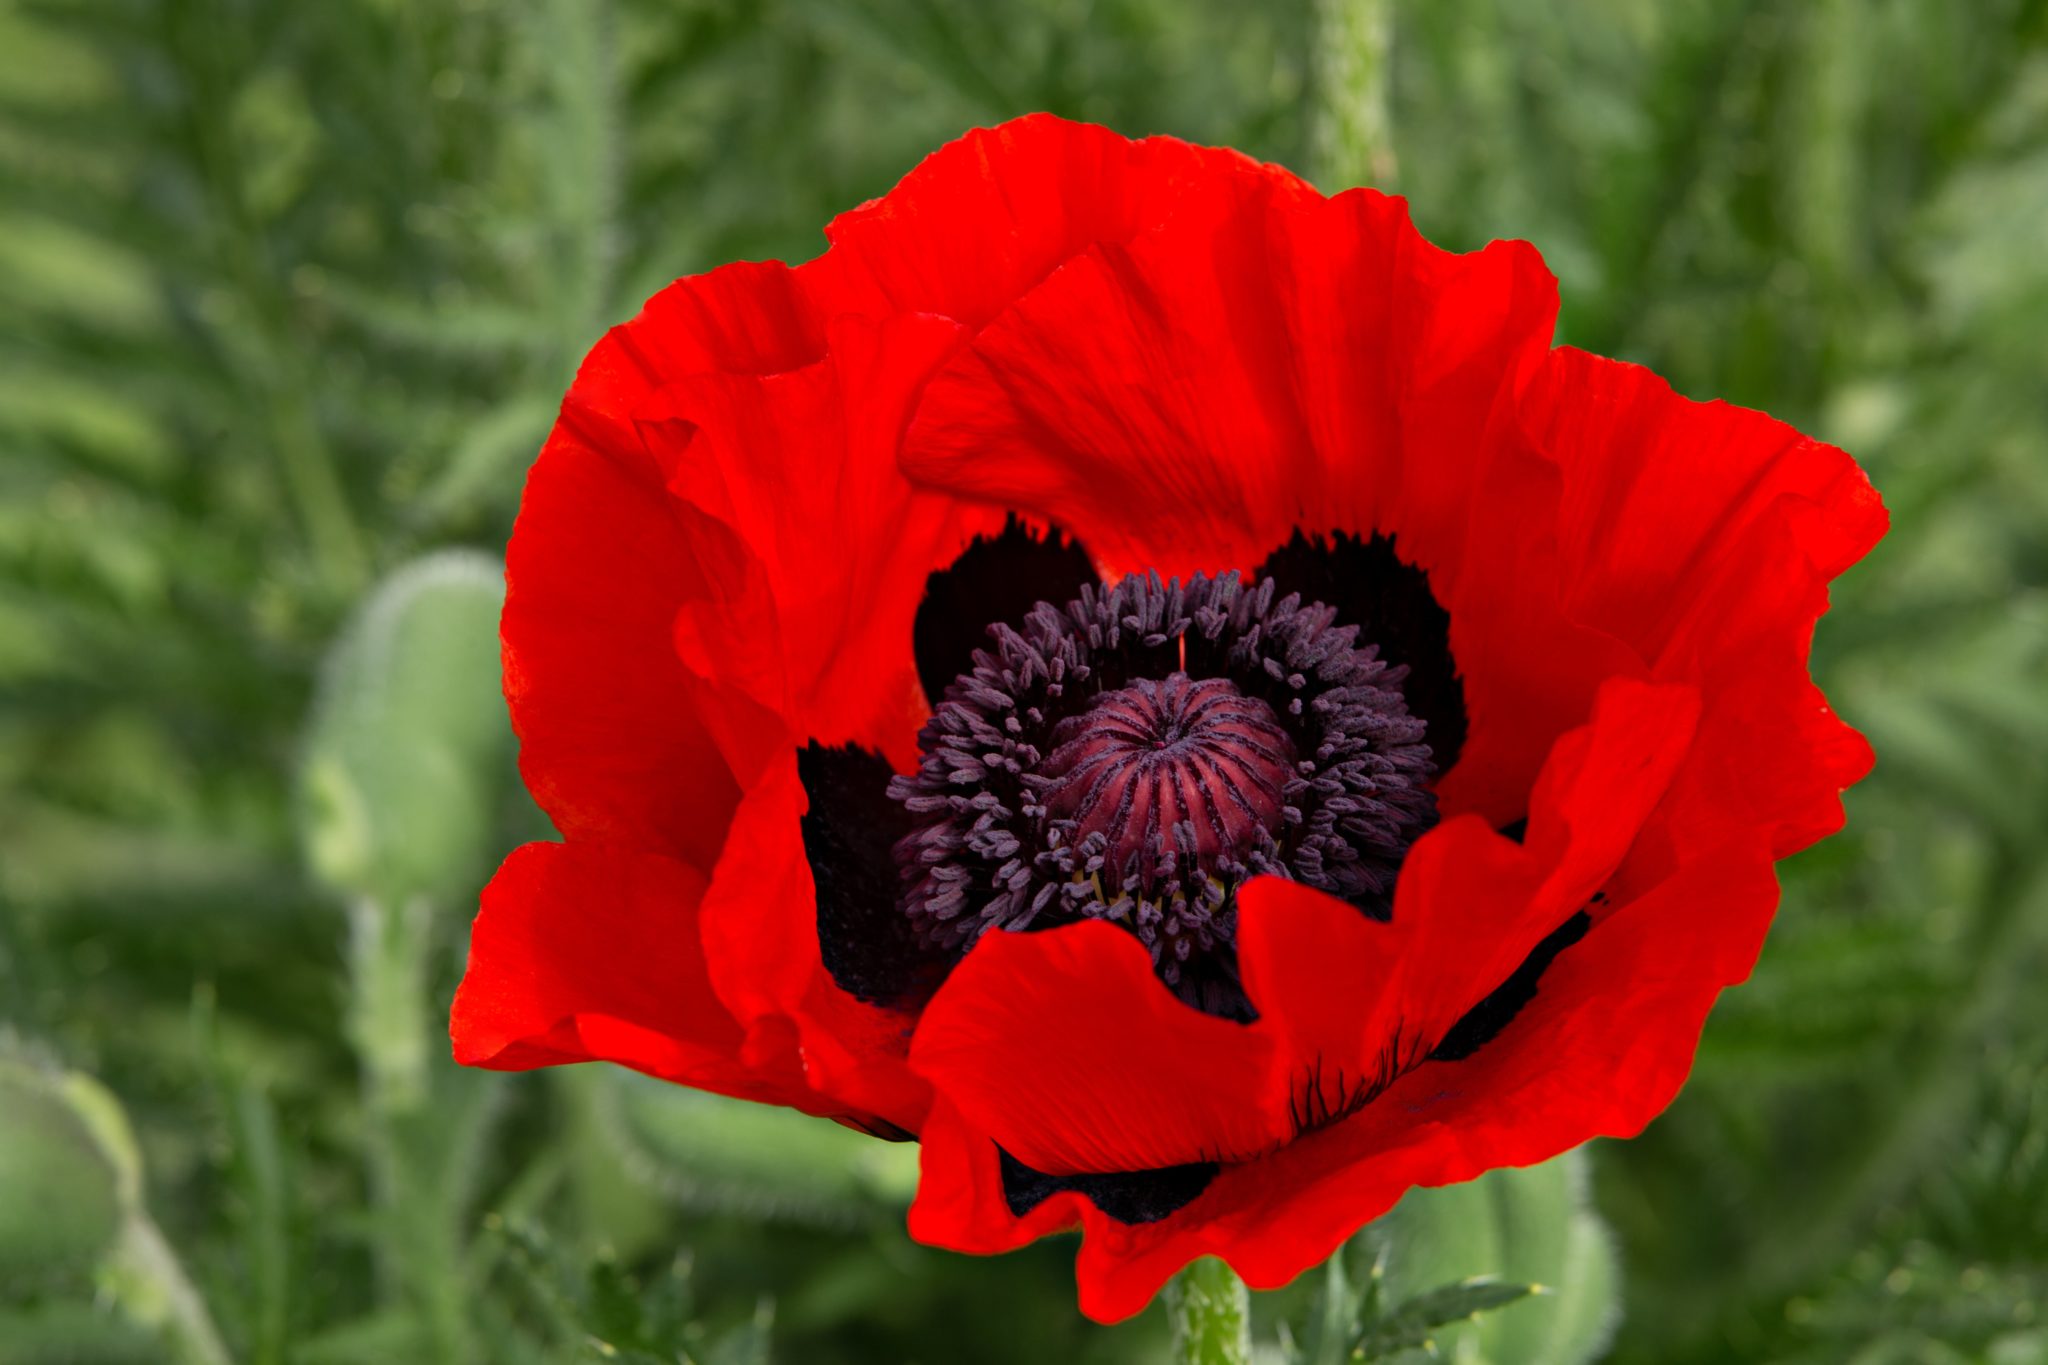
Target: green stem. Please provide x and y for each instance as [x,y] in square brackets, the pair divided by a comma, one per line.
[389,1027]
[1353,127]
[1211,1315]
[384,1028]
[146,1276]
[388,1005]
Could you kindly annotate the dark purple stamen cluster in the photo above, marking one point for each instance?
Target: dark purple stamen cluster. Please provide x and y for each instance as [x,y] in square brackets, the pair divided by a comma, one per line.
[1137,754]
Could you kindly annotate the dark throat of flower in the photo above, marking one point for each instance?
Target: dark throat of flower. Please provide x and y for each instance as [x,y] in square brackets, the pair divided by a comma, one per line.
[1139,753]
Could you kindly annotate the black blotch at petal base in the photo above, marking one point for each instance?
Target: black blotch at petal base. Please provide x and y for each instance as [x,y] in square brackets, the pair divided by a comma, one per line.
[1126,1196]
[996,579]
[867,944]
[1391,604]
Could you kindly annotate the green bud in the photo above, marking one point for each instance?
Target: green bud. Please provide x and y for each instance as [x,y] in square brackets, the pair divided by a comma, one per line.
[708,1151]
[62,1197]
[401,768]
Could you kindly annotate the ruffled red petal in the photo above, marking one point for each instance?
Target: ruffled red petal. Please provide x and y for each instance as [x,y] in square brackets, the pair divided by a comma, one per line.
[960,1202]
[984,218]
[596,572]
[826,548]
[1186,398]
[589,953]
[1704,536]
[716,561]
[1065,1048]
[602,562]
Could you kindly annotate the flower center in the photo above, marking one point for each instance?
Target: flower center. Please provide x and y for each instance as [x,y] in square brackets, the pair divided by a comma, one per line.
[1139,753]
[1182,769]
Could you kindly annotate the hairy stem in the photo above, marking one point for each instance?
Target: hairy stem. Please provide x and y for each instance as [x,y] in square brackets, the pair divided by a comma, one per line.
[1211,1315]
[147,1277]
[389,1027]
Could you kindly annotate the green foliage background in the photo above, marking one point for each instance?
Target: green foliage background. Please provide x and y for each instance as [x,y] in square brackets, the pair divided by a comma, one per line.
[288,294]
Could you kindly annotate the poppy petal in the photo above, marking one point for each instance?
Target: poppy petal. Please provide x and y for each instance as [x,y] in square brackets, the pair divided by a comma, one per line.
[595,574]
[675,625]
[793,473]
[1359,1002]
[1660,493]
[985,217]
[599,566]
[1174,398]
[582,953]
[960,1202]
[1065,1047]
[1704,535]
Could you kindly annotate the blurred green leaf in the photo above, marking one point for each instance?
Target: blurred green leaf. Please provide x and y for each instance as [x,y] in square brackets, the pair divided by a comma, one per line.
[1332,1328]
[493,454]
[603,1312]
[1418,1321]
[1526,1229]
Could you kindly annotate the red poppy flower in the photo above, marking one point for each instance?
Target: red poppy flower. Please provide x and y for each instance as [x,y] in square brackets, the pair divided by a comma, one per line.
[1165,687]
